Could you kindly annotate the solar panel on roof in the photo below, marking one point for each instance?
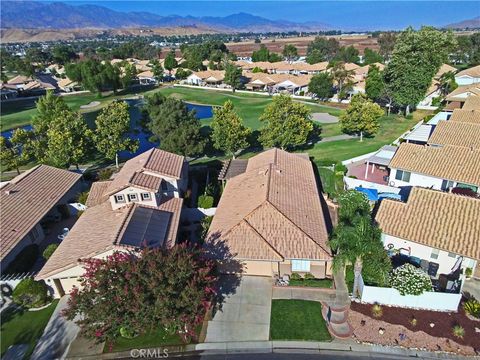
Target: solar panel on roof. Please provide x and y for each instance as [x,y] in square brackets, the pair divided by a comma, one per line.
[147,227]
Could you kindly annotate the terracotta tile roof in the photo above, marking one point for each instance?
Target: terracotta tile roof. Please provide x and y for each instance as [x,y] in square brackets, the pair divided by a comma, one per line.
[363,70]
[146,181]
[19,79]
[437,219]
[218,75]
[99,230]
[462,92]
[65,82]
[473,72]
[455,163]
[468,116]
[272,211]
[146,74]
[472,103]
[155,161]
[28,198]
[96,194]
[456,133]
[274,79]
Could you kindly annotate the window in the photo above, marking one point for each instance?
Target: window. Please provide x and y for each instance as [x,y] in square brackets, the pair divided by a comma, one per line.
[435,253]
[119,199]
[452,255]
[447,185]
[301,265]
[132,197]
[146,196]
[402,175]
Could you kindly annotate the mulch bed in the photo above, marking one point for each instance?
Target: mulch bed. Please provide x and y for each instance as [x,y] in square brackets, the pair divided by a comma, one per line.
[444,322]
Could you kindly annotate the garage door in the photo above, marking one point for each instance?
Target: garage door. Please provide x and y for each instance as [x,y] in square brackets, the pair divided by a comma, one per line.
[259,268]
[68,283]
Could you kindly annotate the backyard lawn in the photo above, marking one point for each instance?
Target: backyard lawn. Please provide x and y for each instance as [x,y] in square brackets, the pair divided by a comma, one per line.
[298,320]
[24,327]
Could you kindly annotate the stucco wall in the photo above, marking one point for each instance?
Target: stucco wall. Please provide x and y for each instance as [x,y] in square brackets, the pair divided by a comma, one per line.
[416,180]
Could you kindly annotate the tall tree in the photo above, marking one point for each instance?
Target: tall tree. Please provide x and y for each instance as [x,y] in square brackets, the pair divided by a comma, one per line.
[416,59]
[157,70]
[321,85]
[287,123]
[10,155]
[261,54]
[386,41]
[362,116]
[170,62]
[342,77]
[177,129]
[371,56]
[129,74]
[290,52]
[322,49]
[374,86]
[233,76]
[63,54]
[112,127]
[447,83]
[356,239]
[347,54]
[229,134]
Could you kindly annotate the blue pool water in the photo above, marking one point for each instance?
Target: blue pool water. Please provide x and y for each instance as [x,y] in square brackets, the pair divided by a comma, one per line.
[137,133]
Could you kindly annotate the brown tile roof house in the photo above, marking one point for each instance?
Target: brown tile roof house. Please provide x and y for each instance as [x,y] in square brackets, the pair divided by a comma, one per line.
[101,229]
[28,198]
[456,133]
[472,103]
[461,93]
[272,211]
[156,161]
[466,115]
[434,218]
[473,72]
[455,163]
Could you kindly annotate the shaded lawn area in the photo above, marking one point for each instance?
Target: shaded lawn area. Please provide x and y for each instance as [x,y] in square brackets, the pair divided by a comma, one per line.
[249,106]
[151,339]
[24,327]
[298,320]
[318,283]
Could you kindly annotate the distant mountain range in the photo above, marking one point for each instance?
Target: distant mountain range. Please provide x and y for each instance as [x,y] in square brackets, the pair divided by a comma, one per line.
[38,15]
[466,24]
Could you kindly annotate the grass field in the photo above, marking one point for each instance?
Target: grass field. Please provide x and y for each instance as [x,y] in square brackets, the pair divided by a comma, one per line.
[298,320]
[24,327]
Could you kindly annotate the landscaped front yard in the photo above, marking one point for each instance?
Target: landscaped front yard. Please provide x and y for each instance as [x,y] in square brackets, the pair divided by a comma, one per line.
[24,327]
[298,320]
[317,283]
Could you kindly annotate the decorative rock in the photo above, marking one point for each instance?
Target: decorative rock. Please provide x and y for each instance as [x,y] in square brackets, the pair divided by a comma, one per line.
[477,330]
[381,331]
[432,325]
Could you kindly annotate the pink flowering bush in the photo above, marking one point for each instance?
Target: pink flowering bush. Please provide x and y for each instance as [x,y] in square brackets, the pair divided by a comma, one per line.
[140,292]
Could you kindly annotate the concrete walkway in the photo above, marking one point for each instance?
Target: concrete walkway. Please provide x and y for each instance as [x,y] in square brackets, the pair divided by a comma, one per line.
[57,336]
[244,314]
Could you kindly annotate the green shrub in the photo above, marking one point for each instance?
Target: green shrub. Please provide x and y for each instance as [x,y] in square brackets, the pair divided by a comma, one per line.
[82,197]
[105,174]
[206,222]
[127,333]
[409,280]
[295,276]
[50,249]
[458,331]
[24,261]
[301,93]
[409,116]
[340,168]
[468,272]
[436,101]
[30,293]
[472,307]
[205,201]
[377,311]
[309,276]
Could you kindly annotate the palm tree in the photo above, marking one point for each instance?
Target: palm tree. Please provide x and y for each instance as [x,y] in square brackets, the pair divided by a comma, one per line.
[343,78]
[447,83]
[357,238]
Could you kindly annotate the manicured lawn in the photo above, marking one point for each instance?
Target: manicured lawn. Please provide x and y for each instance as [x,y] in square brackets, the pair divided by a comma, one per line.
[24,327]
[298,320]
[152,339]
[248,106]
[318,283]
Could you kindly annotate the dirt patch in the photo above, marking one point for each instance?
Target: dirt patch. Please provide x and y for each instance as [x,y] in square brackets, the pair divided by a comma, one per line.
[443,323]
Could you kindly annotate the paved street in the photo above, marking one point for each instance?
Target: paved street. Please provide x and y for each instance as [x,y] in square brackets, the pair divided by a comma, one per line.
[245,314]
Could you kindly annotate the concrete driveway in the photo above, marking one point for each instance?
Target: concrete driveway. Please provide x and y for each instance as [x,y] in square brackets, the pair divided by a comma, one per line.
[245,312]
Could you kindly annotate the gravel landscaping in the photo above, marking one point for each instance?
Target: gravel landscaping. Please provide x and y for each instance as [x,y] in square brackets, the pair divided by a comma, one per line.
[419,332]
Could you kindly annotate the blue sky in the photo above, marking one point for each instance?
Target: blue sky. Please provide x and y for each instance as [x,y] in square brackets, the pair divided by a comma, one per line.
[343,14]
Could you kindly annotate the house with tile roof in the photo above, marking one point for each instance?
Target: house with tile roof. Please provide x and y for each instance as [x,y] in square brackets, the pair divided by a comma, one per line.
[140,207]
[270,218]
[440,229]
[468,76]
[28,201]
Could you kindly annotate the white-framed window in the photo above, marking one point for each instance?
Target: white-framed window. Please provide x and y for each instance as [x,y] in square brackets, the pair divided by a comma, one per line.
[132,197]
[146,196]
[403,175]
[435,253]
[447,185]
[301,265]
[119,199]
[452,255]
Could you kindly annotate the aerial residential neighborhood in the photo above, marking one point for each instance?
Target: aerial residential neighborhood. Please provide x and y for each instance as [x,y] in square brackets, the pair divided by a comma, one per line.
[228,179]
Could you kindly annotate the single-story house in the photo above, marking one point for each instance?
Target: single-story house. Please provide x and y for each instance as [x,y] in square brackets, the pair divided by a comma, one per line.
[208,77]
[472,103]
[461,93]
[147,78]
[35,196]
[67,85]
[437,227]
[468,76]
[457,133]
[270,218]
[466,115]
[137,208]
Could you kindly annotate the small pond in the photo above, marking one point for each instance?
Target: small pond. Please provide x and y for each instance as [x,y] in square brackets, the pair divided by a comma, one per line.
[137,133]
